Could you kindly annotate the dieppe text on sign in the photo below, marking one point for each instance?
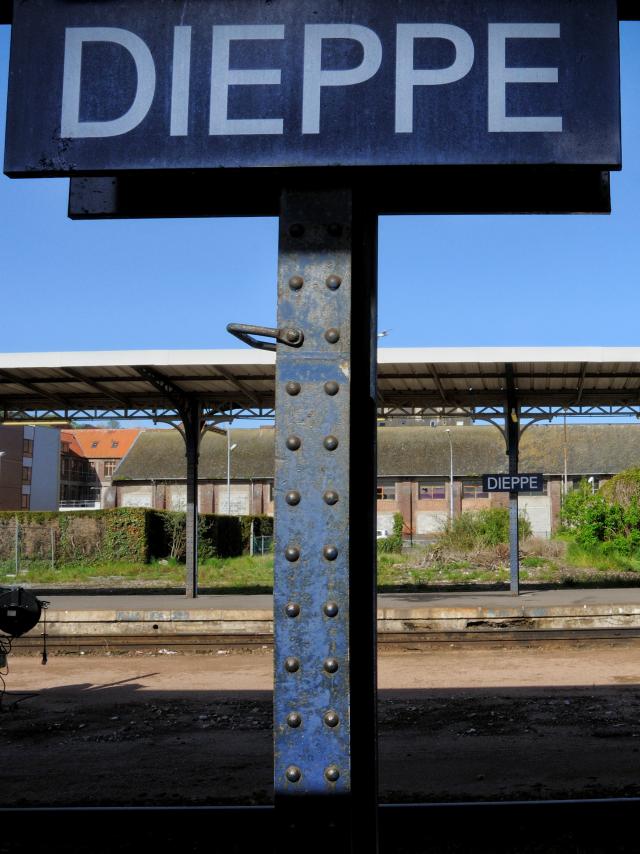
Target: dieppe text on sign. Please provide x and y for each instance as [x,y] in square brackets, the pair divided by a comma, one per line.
[142,84]
[512,483]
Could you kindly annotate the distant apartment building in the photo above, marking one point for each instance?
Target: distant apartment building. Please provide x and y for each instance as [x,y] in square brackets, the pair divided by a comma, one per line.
[88,460]
[29,468]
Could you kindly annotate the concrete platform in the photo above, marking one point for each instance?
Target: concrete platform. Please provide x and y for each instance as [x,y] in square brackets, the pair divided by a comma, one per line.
[158,614]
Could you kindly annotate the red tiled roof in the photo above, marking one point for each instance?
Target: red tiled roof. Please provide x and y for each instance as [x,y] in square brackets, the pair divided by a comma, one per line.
[102,443]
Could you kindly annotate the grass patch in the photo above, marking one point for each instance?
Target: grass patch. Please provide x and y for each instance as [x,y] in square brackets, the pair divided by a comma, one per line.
[559,562]
[601,558]
[245,572]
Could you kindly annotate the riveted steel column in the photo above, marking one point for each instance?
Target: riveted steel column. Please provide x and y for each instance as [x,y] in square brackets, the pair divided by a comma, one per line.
[324,595]
[192,425]
[512,430]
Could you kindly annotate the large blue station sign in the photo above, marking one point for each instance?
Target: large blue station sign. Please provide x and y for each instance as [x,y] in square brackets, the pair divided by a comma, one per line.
[100,88]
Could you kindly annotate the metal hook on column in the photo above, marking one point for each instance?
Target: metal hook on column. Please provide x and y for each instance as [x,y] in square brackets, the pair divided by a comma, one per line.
[290,336]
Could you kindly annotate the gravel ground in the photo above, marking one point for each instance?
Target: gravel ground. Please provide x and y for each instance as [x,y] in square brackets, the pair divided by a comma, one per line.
[454,725]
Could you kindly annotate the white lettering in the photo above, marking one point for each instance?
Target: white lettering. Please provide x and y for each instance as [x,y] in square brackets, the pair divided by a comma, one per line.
[314,77]
[500,75]
[70,125]
[492,483]
[407,77]
[222,77]
[180,81]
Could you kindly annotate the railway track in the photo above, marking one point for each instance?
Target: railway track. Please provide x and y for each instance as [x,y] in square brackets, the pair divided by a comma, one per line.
[388,641]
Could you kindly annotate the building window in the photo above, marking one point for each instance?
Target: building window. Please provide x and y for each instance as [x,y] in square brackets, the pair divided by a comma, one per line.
[26,502]
[27,447]
[432,490]
[585,482]
[110,467]
[94,444]
[472,489]
[26,474]
[386,491]
[115,444]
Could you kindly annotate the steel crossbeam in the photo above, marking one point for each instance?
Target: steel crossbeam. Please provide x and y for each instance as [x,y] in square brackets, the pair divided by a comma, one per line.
[324,700]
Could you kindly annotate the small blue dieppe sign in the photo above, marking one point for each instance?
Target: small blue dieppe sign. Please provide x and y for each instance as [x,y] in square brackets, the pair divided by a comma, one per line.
[98,88]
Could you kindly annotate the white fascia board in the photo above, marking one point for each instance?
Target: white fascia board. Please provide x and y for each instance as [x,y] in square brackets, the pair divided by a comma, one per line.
[127,358]
[386,356]
[501,355]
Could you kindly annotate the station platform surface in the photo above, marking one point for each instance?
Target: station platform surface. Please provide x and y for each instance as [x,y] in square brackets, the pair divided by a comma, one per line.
[433,611]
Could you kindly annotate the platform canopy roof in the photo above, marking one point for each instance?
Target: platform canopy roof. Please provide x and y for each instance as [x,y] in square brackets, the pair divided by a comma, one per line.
[412,381]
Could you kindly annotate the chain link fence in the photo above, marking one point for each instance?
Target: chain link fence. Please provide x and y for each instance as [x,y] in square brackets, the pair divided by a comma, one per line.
[261,545]
[25,546]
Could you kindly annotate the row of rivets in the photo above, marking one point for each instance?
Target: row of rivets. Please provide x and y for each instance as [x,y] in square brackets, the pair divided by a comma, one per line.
[331,387]
[331,773]
[294,443]
[332,282]
[292,553]
[293,498]
[297,229]
[292,665]
[331,719]
[292,609]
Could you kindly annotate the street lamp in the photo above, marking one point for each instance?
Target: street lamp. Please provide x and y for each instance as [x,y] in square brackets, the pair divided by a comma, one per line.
[230,448]
[450,476]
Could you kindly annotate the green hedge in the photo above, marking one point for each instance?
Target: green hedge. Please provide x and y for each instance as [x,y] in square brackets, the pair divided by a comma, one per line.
[131,534]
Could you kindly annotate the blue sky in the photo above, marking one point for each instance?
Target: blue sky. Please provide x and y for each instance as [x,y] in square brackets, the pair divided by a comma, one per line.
[444,281]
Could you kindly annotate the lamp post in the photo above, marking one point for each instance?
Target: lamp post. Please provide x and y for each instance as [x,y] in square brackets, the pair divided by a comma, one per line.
[450,476]
[230,448]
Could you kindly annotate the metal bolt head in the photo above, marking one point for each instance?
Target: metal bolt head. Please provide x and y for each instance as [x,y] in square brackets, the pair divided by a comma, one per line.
[291,664]
[293,336]
[294,720]
[296,230]
[331,665]
[334,229]
[330,443]
[293,774]
[331,497]
[331,609]
[332,336]
[330,552]
[331,719]
[293,388]
[332,773]
[333,282]
[292,553]
[293,443]
[331,387]
[292,609]
[296,282]
[292,497]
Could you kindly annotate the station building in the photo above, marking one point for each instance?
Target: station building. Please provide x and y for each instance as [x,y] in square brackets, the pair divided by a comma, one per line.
[414,464]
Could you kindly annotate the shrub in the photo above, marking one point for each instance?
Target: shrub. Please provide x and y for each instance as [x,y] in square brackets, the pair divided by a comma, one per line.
[393,543]
[623,488]
[481,528]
